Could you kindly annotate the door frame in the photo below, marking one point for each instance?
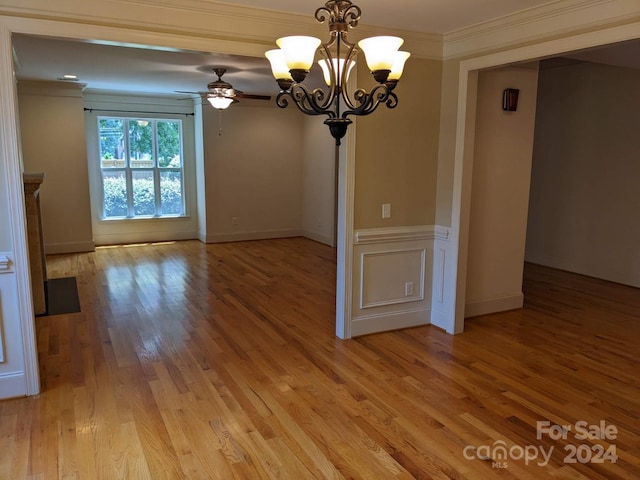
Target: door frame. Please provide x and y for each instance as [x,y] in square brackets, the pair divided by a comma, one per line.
[465,135]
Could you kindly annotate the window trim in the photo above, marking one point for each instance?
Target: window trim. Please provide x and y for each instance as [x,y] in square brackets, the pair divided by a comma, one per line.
[128,169]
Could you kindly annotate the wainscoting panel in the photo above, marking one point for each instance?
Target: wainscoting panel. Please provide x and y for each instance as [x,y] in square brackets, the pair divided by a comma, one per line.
[5,267]
[1,335]
[12,374]
[392,281]
[391,277]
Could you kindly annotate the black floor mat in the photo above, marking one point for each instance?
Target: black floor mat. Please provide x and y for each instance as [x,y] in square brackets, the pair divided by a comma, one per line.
[62,296]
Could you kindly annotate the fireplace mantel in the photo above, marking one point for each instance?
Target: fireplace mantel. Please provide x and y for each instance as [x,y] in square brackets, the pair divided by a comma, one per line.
[32,183]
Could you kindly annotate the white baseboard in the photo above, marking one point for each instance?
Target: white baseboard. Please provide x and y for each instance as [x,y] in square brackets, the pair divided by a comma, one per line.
[143,237]
[606,271]
[244,236]
[324,239]
[13,385]
[389,321]
[494,305]
[70,247]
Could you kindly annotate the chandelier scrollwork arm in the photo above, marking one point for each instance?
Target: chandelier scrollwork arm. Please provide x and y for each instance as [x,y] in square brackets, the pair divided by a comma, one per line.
[339,12]
[367,102]
[310,102]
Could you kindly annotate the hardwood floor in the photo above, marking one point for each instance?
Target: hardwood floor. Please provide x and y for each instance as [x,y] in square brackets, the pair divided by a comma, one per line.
[193,361]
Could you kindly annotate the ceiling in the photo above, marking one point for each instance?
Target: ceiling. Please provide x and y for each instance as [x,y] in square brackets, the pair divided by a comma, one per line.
[139,70]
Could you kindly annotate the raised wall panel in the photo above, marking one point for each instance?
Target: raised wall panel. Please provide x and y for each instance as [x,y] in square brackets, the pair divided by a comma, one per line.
[12,372]
[5,267]
[385,259]
[385,274]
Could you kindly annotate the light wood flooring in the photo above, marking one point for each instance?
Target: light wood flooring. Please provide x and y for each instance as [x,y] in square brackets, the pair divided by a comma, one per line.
[193,361]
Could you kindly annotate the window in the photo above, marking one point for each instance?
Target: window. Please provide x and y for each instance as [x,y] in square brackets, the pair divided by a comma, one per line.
[141,167]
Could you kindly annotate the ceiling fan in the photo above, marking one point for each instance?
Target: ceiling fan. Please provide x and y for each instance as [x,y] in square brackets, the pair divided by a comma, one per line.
[221,94]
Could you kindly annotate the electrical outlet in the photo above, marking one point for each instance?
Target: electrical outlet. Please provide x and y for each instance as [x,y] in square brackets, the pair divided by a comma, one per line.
[386,210]
[408,289]
[235,221]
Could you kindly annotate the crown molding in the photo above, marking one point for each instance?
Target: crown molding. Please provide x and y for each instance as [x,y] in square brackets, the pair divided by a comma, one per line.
[228,28]
[538,23]
[266,25]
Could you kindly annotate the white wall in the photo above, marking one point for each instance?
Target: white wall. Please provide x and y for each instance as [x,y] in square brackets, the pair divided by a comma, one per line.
[318,181]
[253,170]
[500,191]
[53,143]
[584,193]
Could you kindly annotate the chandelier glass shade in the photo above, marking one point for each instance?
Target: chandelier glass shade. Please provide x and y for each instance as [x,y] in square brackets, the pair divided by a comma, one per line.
[334,74]
[291,63]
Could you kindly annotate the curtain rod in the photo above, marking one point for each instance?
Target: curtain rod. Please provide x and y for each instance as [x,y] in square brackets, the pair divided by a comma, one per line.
[91,110]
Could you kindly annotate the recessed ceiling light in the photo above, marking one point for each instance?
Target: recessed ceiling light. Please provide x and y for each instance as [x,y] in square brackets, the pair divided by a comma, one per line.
[69,78]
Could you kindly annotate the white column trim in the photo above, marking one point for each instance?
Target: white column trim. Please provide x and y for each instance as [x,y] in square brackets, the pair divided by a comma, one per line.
[346,167]
[346,193]
[9,143]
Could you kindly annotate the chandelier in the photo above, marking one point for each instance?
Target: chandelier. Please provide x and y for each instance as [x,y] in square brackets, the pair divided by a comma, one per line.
[291,63]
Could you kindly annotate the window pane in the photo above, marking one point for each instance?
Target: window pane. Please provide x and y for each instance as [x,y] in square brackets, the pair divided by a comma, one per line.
[140,143]
[115,194]
[111,133]
[141,165]
[171,193]
[169,144]
[144,202]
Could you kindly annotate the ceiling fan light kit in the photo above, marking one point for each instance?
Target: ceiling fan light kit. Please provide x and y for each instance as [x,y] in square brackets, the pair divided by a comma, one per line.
[219,101]
[291,63]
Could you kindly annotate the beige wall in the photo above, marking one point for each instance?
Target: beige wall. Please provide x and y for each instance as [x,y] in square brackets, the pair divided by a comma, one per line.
[318,181]
[253,172]
[500,190]
[53,143]
[397,151]
[584,193]
[447,142]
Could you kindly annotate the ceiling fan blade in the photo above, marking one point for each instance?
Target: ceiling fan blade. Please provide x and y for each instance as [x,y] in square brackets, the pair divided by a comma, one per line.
[192,93]
[255,97]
